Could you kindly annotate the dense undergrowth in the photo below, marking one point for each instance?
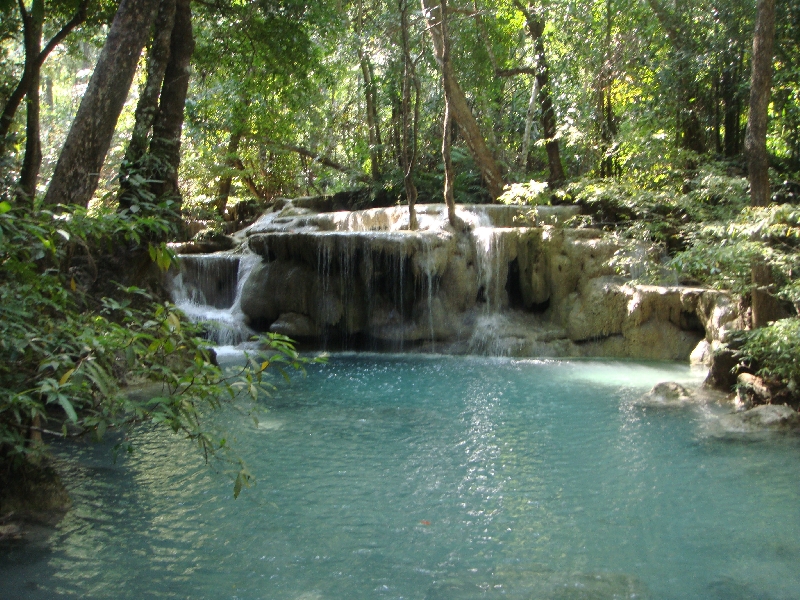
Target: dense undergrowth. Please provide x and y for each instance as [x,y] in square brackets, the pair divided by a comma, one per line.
[73,343]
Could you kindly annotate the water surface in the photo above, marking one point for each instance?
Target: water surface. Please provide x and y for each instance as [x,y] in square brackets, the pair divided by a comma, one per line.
[438,478]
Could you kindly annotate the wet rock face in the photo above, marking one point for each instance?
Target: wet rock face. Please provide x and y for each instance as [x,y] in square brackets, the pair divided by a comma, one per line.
[511,284]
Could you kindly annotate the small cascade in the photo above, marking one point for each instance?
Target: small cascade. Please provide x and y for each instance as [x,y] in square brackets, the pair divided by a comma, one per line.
[206,279]
[208,290]
[428,263]
[492,266]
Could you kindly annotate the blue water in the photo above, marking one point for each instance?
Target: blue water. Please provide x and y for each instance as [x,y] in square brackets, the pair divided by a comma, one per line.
[438,478]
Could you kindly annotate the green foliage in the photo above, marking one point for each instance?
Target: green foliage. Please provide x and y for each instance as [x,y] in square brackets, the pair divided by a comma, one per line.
[774,350]
[532,192]
[67,358]
[721,253]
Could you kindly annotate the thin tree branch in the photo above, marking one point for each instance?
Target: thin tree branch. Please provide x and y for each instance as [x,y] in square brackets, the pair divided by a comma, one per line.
[78,18]
[323,160]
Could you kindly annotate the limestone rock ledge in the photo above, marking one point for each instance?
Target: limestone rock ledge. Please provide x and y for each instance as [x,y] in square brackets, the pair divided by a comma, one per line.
[513,284]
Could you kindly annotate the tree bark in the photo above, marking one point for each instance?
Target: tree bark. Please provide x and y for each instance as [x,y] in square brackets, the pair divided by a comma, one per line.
[760,86]
[449,198]
[410,121]
[373,124]
[147,106]
[157,59]
[225,184]
[460,110]
[605,109]
[526,140]
[11,106]
[677,27]
[732,109]
[32,162]
[535,27]
[248,181]
[78,169]
[765,306]
[166,143]
[319,158]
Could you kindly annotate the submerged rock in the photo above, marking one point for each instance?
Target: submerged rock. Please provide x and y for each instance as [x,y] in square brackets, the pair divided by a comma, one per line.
[667,394]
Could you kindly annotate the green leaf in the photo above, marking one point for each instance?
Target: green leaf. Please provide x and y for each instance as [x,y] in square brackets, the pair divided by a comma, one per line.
[68,408]
[4,207]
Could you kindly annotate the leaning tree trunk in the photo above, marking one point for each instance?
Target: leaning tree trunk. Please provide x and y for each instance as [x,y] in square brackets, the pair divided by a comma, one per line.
[32,162]
[166,143]
[460,110]
[78,169]
[147,106]
[760,85]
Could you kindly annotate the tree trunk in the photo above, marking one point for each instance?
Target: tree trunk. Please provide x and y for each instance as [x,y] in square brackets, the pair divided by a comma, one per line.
[147,106]
[689,128]
[11,106]
[608,120]
[32,162]
[225,184]
[166,143]
[526,140]
[410,121]
[449,198]
[78,169]
[732,109]
[760,86]
[765,306]
[370,95]
[535,27]
[460,110]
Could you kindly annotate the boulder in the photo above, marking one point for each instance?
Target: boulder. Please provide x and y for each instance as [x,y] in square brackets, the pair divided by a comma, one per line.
[767,417]
[751,391]
[295,325]
[667,394]
[701,355]
[722,371]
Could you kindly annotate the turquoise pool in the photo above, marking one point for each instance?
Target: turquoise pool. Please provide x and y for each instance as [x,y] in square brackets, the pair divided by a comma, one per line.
[425,477]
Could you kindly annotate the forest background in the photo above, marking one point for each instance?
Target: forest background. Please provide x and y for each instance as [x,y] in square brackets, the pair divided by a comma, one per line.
[129,124]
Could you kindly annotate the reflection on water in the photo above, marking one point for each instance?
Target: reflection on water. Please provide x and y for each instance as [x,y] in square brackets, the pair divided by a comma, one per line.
[450,478]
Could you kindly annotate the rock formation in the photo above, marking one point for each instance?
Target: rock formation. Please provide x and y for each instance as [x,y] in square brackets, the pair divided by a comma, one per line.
[518,282]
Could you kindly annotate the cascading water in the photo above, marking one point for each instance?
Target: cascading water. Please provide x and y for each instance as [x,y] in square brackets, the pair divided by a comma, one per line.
[208,290]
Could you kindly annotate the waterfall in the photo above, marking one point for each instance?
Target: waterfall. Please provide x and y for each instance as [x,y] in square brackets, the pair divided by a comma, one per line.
[490,251]
[208,290]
